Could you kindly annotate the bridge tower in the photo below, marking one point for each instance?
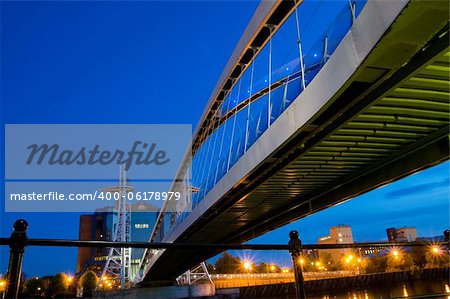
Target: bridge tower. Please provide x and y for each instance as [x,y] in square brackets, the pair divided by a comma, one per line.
[118,263]
[198,273]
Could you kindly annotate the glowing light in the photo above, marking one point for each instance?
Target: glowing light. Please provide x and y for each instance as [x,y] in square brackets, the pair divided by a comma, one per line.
[247,265]
[103,278]
[405,291]
[285,270]
[272,268]
[287,69]
[435,249]
[38,288]
[2,285]
[301,261]
[69,278]
[315,55]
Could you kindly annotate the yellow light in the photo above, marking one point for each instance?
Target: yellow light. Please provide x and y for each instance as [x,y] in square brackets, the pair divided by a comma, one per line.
[395,252]
[285,270]
[69,278]
[405,291]
[347,260]
[301,261]
[272,268]
[318,264]
[2,283]
[247,265]
[435,249]
[103,278]
[359,260]
[350,257]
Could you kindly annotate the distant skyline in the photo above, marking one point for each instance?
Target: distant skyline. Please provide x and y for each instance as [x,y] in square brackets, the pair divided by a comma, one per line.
[157,62]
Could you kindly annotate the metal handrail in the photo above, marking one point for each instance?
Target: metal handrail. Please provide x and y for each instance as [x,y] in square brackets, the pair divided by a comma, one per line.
[160,245]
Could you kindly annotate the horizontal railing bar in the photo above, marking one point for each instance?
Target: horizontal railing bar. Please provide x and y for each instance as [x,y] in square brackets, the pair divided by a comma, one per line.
[158,245]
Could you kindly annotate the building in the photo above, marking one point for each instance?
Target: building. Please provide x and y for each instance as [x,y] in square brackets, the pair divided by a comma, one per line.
[406,234]
[98,226]
[143,218]
[391,234]
[341,234]
[101,226]
[403,234]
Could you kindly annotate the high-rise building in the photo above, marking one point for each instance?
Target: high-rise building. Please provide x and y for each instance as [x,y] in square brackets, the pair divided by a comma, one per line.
[98,226]
[340,234]
[84,233]
[101,226]
[403,234]
[391,234]
[143,218]
[406,234]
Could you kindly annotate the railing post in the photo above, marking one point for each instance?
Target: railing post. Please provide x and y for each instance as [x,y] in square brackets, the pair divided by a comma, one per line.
[295,249]
[17,245]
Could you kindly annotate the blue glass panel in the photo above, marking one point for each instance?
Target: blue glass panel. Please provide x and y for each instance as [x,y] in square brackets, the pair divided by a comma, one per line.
[359,4]
[338,28]
[237,148]
[261,70]
[285,54]
[245,84]
[277,100]
[258,119]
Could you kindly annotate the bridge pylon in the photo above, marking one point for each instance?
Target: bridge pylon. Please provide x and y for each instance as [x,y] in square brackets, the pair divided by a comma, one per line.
[118,263]
[193,275]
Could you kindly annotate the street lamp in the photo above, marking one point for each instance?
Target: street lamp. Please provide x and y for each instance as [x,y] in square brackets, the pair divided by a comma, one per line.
[435,249]
[395,253]
[2,285]
[247,266]
[272,268]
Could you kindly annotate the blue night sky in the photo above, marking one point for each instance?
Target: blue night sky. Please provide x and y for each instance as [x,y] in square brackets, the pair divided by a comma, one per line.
[156,62]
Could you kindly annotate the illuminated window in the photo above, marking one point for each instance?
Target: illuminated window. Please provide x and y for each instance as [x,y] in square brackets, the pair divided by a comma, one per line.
[141,225]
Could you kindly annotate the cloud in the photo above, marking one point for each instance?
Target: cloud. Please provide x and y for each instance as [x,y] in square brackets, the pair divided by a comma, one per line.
[418,189]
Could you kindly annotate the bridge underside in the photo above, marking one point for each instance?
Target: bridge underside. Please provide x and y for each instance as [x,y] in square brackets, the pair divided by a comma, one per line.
[390,120]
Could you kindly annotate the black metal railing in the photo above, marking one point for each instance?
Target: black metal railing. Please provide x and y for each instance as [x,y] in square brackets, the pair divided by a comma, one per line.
[19,241]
